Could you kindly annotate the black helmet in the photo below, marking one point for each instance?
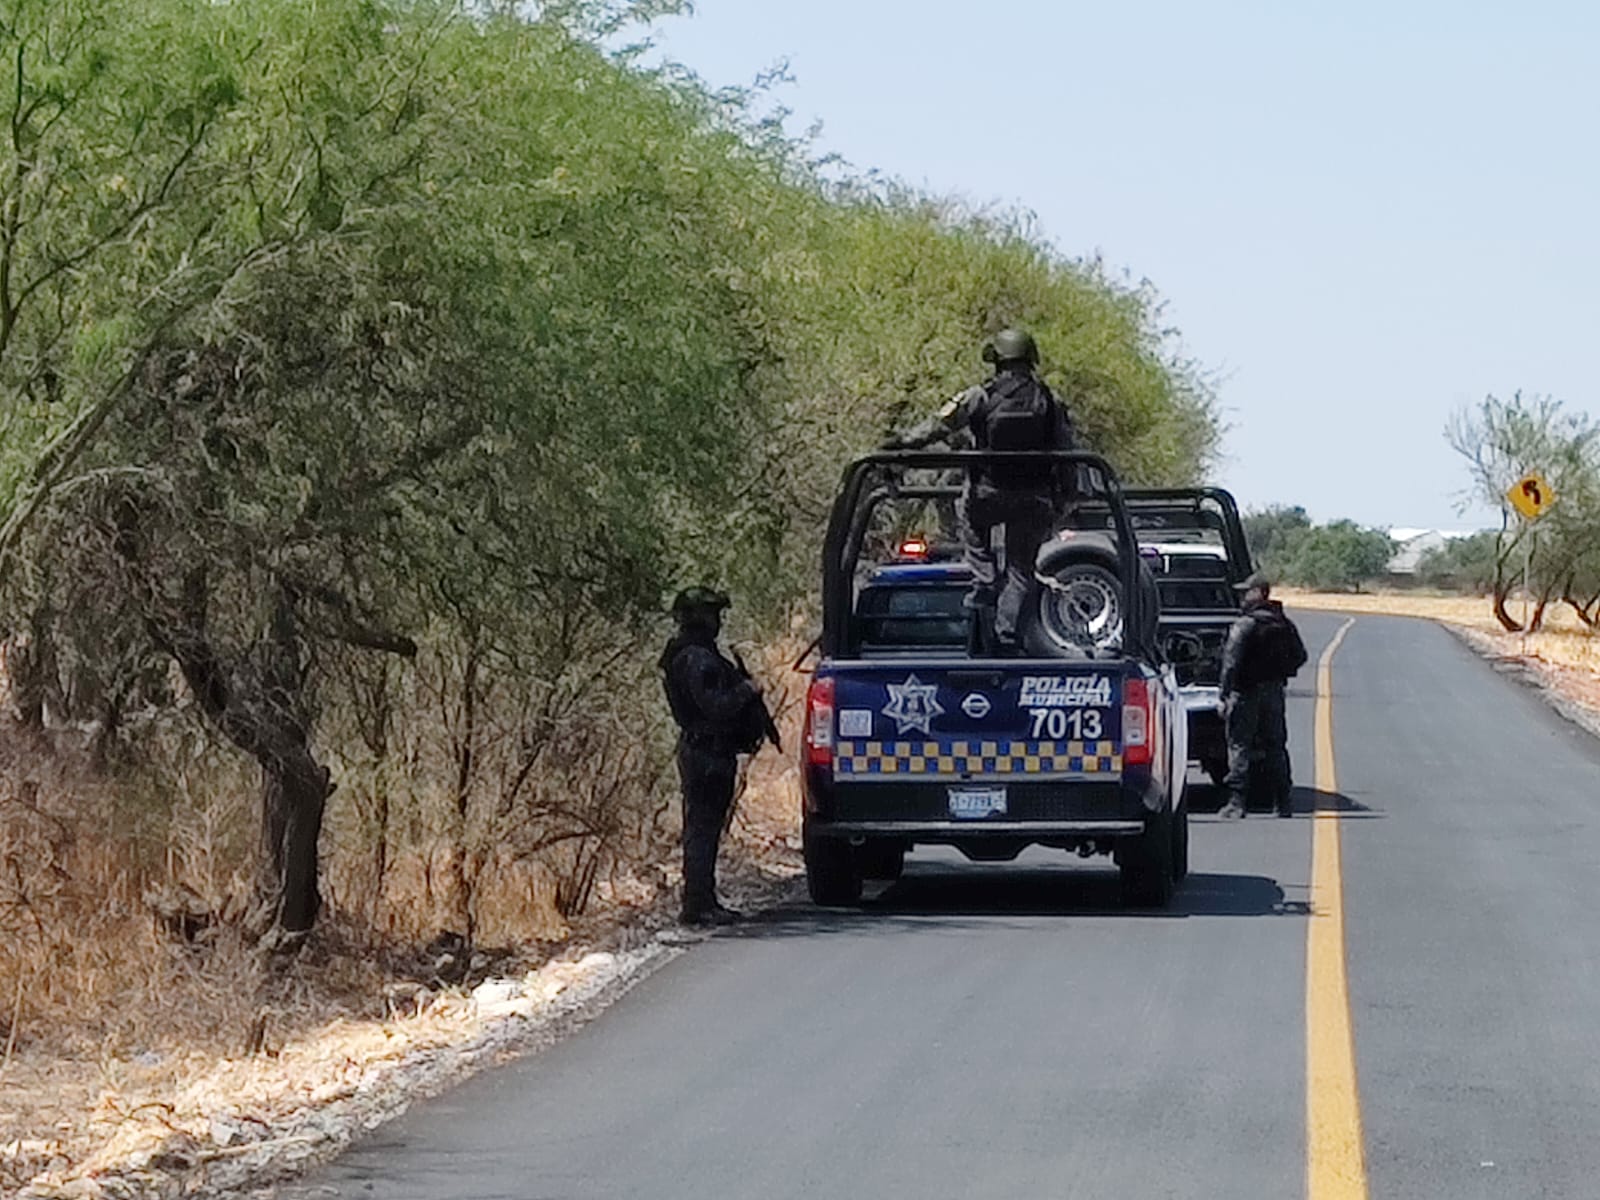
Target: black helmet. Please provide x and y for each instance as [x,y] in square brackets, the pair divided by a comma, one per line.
[698,599]
[1012,345]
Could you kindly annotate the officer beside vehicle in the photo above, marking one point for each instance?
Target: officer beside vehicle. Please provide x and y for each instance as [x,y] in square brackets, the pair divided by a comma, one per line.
[1262,653]
[1014,411]
[720,715]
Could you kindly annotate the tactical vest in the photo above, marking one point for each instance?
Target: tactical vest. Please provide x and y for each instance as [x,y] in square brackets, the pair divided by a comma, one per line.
[1018,414]
[685,713]
[744,735]
[1278,650]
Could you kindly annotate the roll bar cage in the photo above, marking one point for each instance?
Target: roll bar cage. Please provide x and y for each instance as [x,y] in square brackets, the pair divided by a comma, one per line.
[882,473]
[1240,565]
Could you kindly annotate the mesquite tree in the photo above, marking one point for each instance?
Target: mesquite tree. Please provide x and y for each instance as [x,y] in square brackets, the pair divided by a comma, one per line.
[449,399]
[435,329]
[1502,440]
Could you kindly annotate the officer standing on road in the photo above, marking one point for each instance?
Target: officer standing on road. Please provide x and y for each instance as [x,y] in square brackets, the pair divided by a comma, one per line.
[1014,411]
[717,708]
[1262,653]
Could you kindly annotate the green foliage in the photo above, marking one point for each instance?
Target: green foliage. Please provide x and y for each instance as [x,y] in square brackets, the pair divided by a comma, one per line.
[1273,534]
[1338,555]
[419,327]
[1464,564]
[159,152]
[1291,550]
[1503,440]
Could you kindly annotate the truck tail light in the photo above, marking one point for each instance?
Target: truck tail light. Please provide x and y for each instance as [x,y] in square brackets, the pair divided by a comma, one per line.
[819,723]
[1136,723]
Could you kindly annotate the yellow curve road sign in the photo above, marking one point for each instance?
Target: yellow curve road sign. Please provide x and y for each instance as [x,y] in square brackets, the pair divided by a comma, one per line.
[1531,496]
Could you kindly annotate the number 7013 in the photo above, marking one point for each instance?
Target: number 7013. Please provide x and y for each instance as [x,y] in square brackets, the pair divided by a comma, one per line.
[1079,724]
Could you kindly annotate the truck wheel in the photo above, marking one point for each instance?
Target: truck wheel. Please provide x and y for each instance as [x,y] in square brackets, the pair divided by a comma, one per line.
[1146,864]
[1082,612]
[831,874]
[884,860]
[1180,844]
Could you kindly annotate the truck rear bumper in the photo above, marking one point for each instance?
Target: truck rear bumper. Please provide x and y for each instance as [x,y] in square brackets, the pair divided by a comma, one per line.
[1032,809]
[964,830]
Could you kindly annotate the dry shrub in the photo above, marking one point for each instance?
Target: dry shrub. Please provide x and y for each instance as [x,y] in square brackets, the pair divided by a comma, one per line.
[120,893]
[491,796]
[113,906]
[124,976]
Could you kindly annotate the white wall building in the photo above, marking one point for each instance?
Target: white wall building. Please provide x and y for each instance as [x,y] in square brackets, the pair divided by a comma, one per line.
[1413,545]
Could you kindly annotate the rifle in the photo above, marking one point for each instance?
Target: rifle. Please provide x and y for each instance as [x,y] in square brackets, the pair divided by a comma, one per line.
[769,727]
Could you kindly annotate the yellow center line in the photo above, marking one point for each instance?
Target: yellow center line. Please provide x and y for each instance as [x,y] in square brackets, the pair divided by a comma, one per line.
[1336,1167]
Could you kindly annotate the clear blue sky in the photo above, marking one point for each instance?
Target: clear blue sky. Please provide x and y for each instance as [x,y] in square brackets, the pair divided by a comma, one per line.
[1362,214]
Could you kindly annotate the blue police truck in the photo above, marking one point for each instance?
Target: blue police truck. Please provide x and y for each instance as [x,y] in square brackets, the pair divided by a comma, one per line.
[1076,738]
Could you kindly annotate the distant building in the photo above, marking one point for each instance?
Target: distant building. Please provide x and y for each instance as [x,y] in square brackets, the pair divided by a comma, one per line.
[1413,545]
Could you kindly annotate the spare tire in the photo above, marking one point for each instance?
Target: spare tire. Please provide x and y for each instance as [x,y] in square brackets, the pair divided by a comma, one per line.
[1075,606]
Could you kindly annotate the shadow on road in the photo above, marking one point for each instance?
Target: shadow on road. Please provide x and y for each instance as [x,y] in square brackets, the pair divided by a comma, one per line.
[1062,892]
[937,891]
[1204,799]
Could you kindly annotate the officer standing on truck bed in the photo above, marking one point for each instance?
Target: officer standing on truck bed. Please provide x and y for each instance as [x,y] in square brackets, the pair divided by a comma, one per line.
[720,715]
[1262,653]
[1015,410]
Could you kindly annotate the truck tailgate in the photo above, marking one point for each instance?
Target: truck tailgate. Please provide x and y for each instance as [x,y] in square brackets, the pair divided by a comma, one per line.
[1043,721]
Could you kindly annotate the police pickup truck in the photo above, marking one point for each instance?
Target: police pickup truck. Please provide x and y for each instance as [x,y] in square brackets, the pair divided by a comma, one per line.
[1078,743]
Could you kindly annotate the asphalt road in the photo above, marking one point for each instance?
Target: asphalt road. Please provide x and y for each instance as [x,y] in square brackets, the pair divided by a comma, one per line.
[1009,1031]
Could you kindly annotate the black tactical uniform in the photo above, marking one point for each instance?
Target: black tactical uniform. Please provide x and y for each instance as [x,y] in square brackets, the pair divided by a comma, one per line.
[1014,410]
[715,707]
[1262,653]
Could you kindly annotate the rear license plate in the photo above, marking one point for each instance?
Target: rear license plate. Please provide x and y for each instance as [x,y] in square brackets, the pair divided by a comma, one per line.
[972,804]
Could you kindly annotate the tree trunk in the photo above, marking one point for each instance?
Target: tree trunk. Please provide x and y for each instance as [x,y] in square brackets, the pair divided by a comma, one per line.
[294,793]
[105,735]
[380,849]
[1578,607]
[468,861]
[1503,583]
[27,690]
[268,722]
[35,681]
[1507,622]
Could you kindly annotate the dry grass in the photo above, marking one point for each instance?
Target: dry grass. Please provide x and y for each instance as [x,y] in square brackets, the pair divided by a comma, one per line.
[113,1033]
[1563,642]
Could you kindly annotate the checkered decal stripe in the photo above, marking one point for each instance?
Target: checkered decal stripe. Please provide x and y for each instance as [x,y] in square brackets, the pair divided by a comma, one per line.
[976,759]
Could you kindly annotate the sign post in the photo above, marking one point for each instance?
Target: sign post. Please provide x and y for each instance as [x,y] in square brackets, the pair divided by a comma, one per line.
[1532,497]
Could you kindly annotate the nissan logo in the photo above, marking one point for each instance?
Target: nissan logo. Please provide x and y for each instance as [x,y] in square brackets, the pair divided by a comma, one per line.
[976,706]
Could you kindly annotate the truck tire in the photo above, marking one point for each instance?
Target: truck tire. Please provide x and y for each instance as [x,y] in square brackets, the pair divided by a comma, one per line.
[881,860]
[832,877]
[1086,610]
[1073,622]
[1180,844]
[1146,864]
